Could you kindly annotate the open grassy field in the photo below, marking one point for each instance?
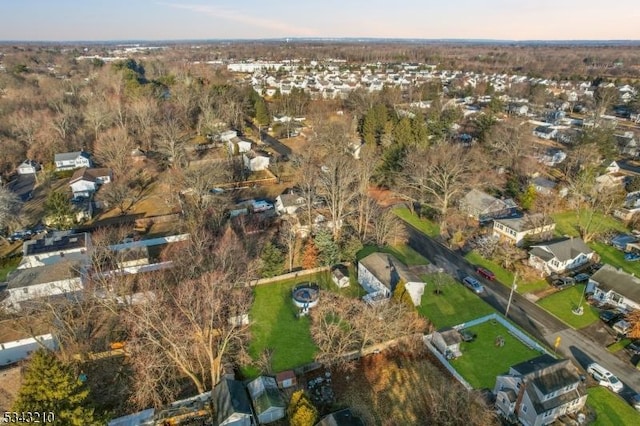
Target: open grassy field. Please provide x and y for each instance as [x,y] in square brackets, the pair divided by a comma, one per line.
[482,360]
[454,305]
[563,302]
[506,277]
[610,408]
[567,223]
[425,225]
[403,253]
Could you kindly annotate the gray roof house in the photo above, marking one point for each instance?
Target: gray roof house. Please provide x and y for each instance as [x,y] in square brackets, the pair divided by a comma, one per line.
[615,287]
[448,343]
[516,229]
[380,273]
[268,402]
[288,203]
[344,417]
[28,167]
[72,160]
[231,404]
[560,255]
[538,391]
[485,207]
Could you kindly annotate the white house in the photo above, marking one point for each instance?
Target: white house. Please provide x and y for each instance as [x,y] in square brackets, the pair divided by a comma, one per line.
[28,167]
[515,230]
[560,255]
[62,245]
[545,132]
[447,343]
[615,287]
[380,273]
[340,276]
[538,391]
[268,402]
[17,350]
[254,161]
[238,146]
[85,182]
[289,203]
[72,160]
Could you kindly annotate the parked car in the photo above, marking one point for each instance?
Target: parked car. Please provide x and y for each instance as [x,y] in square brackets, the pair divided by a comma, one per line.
[261,206]
[562,282]
[632,256]
[473,284]
[621,327]
[467,335]
[635,401]
[580,278]
[634,347]
[611,317]
[604,377]
[485,273]
[22,235]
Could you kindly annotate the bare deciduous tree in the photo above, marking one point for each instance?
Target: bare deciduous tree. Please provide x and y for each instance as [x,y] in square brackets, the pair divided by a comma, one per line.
[10,206]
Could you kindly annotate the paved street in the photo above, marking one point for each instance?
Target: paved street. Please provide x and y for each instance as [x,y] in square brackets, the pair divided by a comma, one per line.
[527,315]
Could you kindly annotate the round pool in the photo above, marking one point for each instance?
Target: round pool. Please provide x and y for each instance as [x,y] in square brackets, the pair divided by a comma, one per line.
[306,295]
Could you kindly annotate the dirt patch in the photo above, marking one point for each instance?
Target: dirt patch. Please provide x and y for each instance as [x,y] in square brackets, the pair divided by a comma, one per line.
[385,197]
[10,381]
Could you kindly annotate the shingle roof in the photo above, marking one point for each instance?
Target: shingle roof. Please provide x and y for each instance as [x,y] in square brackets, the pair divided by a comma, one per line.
[609,278]
[66,156]
[388,270]
[89,174]
[229,397]
[525,223]
[563,250]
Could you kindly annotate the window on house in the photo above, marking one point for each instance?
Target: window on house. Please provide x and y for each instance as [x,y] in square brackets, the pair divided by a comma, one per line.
[524,408]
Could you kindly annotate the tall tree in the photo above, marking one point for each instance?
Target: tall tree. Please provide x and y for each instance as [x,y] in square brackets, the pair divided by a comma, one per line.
[59,210]
[337,184]
[272,260]
[48,385]
[10,206]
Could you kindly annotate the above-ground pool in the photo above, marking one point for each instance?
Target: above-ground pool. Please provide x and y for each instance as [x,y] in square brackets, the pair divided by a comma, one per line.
[306,295]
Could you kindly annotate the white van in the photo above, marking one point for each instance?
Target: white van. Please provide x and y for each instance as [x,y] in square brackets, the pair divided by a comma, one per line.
[604,377]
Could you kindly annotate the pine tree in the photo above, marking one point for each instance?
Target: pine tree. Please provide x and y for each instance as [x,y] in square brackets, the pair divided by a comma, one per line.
[329,250]
[301,410]
[310,255]
[528,197]
[272,260]
[402,132]
[262,112]
[49,385]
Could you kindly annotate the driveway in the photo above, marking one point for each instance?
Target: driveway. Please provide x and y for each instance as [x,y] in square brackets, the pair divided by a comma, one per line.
[23,185]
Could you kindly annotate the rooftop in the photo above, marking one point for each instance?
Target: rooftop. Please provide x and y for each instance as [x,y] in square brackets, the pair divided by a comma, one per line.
[388,269]
[58,242]
[612,279]
[59,271]
[526,222]
[563,250]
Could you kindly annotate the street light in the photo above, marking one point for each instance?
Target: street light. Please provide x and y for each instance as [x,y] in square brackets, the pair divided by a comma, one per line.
[514,287]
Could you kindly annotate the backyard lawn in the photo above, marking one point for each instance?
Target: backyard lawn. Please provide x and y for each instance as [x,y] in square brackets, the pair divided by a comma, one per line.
[610,408]
[456,304]
[425,225]
[563,302]
[482,360]
[614,257]
[403,253]
[567,223]
[506,277]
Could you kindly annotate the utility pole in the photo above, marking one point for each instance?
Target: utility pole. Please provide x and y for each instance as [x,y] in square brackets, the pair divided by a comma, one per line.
[514,286]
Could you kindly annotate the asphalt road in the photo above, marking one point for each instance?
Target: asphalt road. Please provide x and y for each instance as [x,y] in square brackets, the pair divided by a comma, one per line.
[527,315]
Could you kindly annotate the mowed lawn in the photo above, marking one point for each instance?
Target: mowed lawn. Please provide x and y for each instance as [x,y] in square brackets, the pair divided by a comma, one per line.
[424,225]
[482,360]
[454,305]
[403,253]
[567,223]
[610,408]
[564,301]
[614,257]
[506,277]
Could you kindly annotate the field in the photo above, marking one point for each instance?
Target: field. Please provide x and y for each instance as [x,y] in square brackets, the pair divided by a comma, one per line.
[610,408]
[424,225]
[454,305]
[482,360]
[567,223]
[563,302]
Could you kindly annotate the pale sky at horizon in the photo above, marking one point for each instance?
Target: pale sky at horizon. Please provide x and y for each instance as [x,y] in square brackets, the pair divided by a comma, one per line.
[94,20]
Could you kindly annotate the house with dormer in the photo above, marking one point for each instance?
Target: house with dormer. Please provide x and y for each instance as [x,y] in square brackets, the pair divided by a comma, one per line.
[485,207]
[537,392]
[72,160]
[380,273]
[560,255]
[615,287]
[85,182]
[517,229]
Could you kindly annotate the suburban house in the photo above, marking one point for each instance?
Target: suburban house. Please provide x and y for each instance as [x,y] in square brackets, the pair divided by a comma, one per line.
[516,229]
[538,391]
[62,245]
[340,276]
[85,182]
[28,167]
[552,157]
[615,287]
[560,255]
[231,404]
[485,207]
[447,343]
[72,160]
[628,144]
[344,417]
[268,402]
[288,203]
[255,161]
[380,273]
[543,185]
[545,132]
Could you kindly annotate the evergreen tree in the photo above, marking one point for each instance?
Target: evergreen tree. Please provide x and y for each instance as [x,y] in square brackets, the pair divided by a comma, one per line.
[349,248]
[301,410]
[369,128]
[528,197]
[402,132]
[327,247]
[59,210]
[272,260]
[50,385]
[262,112]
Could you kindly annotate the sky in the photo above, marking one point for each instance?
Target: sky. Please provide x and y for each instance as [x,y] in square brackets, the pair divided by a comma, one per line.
[94,20]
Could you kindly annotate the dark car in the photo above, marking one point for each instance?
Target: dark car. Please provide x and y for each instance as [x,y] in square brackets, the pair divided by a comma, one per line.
[611,317]
[563,282]
[467,335]
[634,347]
[632,256]
[582,278]
[485,273]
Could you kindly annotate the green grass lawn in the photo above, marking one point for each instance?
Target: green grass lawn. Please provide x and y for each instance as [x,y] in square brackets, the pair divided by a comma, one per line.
[506,277]
[8,265]
[567,223]
[482,360]
[425,225]
[619,345]
[455,305]
[403,253]
[562,302]
[610,408]
[614,257]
